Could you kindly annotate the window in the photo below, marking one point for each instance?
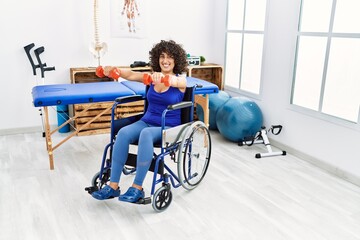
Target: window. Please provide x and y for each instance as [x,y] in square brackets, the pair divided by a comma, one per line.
[327,64]
[244,44]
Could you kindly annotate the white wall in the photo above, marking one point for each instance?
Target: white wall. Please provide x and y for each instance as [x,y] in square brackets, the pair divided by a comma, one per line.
[65,29]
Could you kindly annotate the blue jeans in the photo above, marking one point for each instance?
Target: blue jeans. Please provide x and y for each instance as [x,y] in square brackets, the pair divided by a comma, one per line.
[146,135]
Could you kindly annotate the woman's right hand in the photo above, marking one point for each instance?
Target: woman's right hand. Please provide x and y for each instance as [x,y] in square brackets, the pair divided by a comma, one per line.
[156,77]
[107,70]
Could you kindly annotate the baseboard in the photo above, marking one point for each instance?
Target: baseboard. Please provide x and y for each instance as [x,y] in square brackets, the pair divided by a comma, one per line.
[13,131]
[318,163]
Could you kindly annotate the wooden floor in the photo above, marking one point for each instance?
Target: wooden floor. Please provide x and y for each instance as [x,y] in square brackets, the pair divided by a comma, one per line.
[240,198]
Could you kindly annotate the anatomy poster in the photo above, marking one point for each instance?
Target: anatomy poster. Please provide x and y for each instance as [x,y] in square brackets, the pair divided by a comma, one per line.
[128,18]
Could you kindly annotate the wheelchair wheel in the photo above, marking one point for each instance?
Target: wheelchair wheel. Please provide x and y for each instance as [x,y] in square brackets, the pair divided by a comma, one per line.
[96,182]
[194,155]
[162,198]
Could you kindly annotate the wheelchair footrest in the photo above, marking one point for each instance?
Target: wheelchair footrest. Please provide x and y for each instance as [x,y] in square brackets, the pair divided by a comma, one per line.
[144,201]
[91,189]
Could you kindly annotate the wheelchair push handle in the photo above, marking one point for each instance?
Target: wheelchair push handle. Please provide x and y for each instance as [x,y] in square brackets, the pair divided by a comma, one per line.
[127,99]
[147,80]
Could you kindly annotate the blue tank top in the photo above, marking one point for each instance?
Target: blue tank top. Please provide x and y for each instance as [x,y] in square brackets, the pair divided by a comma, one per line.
[158,102]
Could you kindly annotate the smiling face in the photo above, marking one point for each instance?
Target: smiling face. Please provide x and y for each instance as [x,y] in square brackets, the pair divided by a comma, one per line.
[167,63]
[168,57]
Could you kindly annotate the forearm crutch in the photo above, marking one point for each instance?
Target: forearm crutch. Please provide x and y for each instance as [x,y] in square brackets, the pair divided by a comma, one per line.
[27,49]
[42,67]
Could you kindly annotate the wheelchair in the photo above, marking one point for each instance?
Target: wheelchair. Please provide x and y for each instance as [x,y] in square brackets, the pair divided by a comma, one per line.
[188,146]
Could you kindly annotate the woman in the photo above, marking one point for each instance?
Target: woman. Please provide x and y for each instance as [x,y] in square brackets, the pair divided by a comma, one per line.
[166,58]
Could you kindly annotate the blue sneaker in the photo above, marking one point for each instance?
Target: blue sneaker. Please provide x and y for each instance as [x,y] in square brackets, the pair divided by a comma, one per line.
[106,193]
[132,195]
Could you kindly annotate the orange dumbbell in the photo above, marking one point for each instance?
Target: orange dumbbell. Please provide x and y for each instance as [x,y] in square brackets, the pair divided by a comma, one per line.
[114,73]
[100,72]
[147,79]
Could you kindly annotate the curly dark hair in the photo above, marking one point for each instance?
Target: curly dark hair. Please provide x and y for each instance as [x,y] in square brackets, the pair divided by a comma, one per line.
[174,50]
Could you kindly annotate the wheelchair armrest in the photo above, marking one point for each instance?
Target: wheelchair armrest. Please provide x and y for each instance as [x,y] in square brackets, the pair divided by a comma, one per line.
[127,99]
[172,107]
[180,105]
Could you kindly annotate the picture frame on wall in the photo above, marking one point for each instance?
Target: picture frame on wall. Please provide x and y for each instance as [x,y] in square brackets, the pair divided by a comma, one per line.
[128,18]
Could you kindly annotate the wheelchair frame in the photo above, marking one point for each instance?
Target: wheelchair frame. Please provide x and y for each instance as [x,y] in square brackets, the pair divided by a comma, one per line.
[184,143]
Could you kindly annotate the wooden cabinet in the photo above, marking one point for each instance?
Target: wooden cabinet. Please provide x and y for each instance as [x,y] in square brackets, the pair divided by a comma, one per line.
[209,72]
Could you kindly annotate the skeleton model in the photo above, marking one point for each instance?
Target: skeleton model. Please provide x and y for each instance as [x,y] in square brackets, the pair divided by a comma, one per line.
[97,48]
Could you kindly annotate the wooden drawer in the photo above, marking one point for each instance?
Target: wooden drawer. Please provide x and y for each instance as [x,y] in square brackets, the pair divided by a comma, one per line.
[103,123]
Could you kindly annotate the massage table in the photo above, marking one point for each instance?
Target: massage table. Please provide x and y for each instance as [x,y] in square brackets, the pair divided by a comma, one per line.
[91,93]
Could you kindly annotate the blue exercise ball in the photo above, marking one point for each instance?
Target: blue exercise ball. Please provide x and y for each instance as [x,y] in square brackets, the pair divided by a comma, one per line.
[239,118]
[216,100]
